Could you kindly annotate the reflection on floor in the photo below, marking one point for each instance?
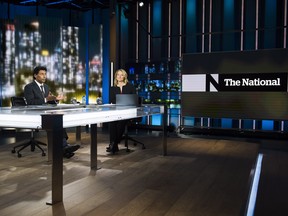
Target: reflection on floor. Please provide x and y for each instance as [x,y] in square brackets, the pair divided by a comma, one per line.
[200,176]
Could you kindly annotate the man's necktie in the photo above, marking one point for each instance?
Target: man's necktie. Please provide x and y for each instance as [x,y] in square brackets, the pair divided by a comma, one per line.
[42,90]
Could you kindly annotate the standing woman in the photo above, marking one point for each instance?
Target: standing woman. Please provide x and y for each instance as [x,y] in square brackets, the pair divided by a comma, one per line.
[121,85]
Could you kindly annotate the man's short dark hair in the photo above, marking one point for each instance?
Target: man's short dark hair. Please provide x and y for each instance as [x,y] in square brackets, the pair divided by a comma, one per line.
[37,69]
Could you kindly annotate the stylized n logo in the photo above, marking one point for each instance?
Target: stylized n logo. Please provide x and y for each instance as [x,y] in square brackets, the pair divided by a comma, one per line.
[212,82]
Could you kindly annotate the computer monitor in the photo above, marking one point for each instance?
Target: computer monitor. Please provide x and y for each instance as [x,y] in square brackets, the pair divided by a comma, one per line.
[127,99]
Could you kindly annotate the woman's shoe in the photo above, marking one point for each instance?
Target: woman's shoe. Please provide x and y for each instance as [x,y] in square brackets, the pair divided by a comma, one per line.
[116,148]
[112,148]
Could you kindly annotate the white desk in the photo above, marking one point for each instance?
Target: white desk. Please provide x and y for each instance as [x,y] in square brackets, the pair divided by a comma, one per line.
[54,118]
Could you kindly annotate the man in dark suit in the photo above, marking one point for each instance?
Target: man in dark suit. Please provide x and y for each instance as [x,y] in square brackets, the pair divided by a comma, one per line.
[38,93]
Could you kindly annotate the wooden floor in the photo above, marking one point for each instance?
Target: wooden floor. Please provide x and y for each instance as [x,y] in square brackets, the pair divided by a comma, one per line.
[199,176]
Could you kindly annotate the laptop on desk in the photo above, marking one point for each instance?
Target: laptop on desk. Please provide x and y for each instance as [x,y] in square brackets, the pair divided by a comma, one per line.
[127,100]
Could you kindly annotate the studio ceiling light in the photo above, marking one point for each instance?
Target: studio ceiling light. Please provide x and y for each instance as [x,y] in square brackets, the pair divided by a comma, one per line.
[28,1]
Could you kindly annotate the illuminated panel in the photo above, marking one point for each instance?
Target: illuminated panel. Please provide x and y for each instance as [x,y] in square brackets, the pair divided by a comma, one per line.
[91,117]
[73,116]
[205,95]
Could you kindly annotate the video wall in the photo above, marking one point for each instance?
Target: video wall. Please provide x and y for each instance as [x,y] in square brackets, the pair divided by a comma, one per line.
[158,82]
[154,80]
[237,85]
[30,41]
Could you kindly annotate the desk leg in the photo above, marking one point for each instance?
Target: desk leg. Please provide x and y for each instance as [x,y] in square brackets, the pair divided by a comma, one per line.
[93,147]
[53,124]
[49,148]
[78,135]
[164,129]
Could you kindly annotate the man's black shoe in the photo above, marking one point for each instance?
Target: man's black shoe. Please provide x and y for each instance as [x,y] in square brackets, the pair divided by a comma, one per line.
[71,148]
[68,155]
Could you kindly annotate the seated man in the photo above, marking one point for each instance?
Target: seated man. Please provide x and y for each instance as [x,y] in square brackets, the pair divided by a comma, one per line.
[38,93]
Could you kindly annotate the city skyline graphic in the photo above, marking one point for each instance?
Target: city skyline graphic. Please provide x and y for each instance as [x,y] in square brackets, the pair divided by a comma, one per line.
[27,42]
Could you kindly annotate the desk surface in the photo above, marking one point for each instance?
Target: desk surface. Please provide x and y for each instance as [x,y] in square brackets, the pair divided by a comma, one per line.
[73,115]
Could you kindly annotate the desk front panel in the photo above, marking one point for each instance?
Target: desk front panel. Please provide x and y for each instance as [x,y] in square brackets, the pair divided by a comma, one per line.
[73,115]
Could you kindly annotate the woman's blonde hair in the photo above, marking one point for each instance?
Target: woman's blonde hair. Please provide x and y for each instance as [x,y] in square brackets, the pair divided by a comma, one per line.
[125,76]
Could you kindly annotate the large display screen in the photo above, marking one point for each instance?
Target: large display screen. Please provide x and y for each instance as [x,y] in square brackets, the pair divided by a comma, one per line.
[30,41]
[237,85]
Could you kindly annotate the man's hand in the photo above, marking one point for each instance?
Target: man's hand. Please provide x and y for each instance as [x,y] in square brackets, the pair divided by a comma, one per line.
[50,97]
[60,97]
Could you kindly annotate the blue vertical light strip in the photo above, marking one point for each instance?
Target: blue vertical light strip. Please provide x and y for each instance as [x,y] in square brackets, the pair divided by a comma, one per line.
[1,66]
[228,40]
[191,26]
[1,74]
[247,124]
[267,125]
[254,187]
[124,35]
[228,25]
[270,24]
[156,30]
[188,121]
[87,64]
[226,123]
[106,54]
[249,25]
[156,120]
[157,18]
[229,10]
